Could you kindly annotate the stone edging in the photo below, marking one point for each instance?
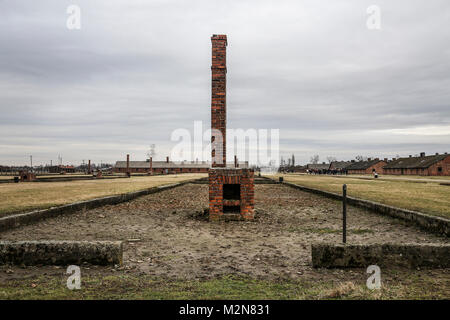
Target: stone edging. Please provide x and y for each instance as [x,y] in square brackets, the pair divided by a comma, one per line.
[438,225]
[17,220]
[61,252]
[383,255]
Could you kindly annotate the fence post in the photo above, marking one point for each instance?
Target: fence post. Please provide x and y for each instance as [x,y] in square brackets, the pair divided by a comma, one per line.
[344,213]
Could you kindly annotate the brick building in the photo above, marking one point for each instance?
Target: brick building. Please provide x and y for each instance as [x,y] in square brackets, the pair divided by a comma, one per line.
[61,169]
[318,166]
[295,169]
[366,167]
[339,166]
[435,165]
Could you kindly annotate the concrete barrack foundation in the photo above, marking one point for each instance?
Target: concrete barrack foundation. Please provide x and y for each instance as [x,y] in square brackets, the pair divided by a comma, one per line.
[382,255]
[61,252]
[20,219]
[434,224]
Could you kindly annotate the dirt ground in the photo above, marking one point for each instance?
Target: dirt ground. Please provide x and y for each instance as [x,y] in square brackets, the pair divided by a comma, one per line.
[171,237]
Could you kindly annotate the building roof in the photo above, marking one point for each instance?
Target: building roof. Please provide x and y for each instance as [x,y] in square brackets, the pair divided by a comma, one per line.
[171,164]
[61,166]
[362,165]
[415,162]
[318,166]
[340,164]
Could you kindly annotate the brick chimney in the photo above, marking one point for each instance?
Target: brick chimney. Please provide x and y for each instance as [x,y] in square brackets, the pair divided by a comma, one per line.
[128,165]
[231,190]
[151,165]
[89,167]
[167,159]
[219,100]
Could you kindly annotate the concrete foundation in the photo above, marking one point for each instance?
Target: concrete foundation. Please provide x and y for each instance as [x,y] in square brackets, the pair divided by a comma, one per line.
[438,225]
[61,252]
[382,255]
[17,220]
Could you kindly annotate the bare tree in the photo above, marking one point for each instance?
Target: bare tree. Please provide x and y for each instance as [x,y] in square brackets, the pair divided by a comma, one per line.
[314,159]
[331,159]
[151,153]
[361,158]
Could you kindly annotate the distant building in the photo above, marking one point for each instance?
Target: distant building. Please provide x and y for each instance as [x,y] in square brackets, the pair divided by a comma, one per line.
[435,165]
[61,169]
[169,167]
[296,169]
[366,167]
[318,166]
[339,166]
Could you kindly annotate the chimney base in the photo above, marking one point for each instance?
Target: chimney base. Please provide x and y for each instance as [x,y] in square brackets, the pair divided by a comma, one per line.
[231,194]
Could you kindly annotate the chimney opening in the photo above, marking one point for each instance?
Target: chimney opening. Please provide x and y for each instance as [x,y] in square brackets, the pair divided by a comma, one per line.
[231,209]
[232,192]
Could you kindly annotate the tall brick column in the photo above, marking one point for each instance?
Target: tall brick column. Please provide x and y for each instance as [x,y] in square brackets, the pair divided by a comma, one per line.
[151,166]
[128,165]
[219,100]
[231,190]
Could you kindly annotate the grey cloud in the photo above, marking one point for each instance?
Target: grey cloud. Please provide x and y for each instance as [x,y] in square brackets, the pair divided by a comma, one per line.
[138,70]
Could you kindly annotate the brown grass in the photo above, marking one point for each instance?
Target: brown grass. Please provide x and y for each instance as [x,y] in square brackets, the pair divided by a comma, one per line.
[430,197]
[341,290]
[19,197]
[50,176]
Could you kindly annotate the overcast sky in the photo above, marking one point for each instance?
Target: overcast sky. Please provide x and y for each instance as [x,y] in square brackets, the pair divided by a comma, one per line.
[137,70]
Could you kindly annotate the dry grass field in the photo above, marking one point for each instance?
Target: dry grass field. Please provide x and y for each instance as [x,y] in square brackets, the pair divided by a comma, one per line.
[426,197]
[20,197]
[10,177]
[404,177]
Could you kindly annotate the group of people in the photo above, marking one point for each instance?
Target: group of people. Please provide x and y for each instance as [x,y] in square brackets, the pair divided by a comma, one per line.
[327,171]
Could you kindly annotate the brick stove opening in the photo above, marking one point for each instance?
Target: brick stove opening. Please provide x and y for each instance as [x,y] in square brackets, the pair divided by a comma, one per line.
[231,192]
[231,209]
[231,198]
